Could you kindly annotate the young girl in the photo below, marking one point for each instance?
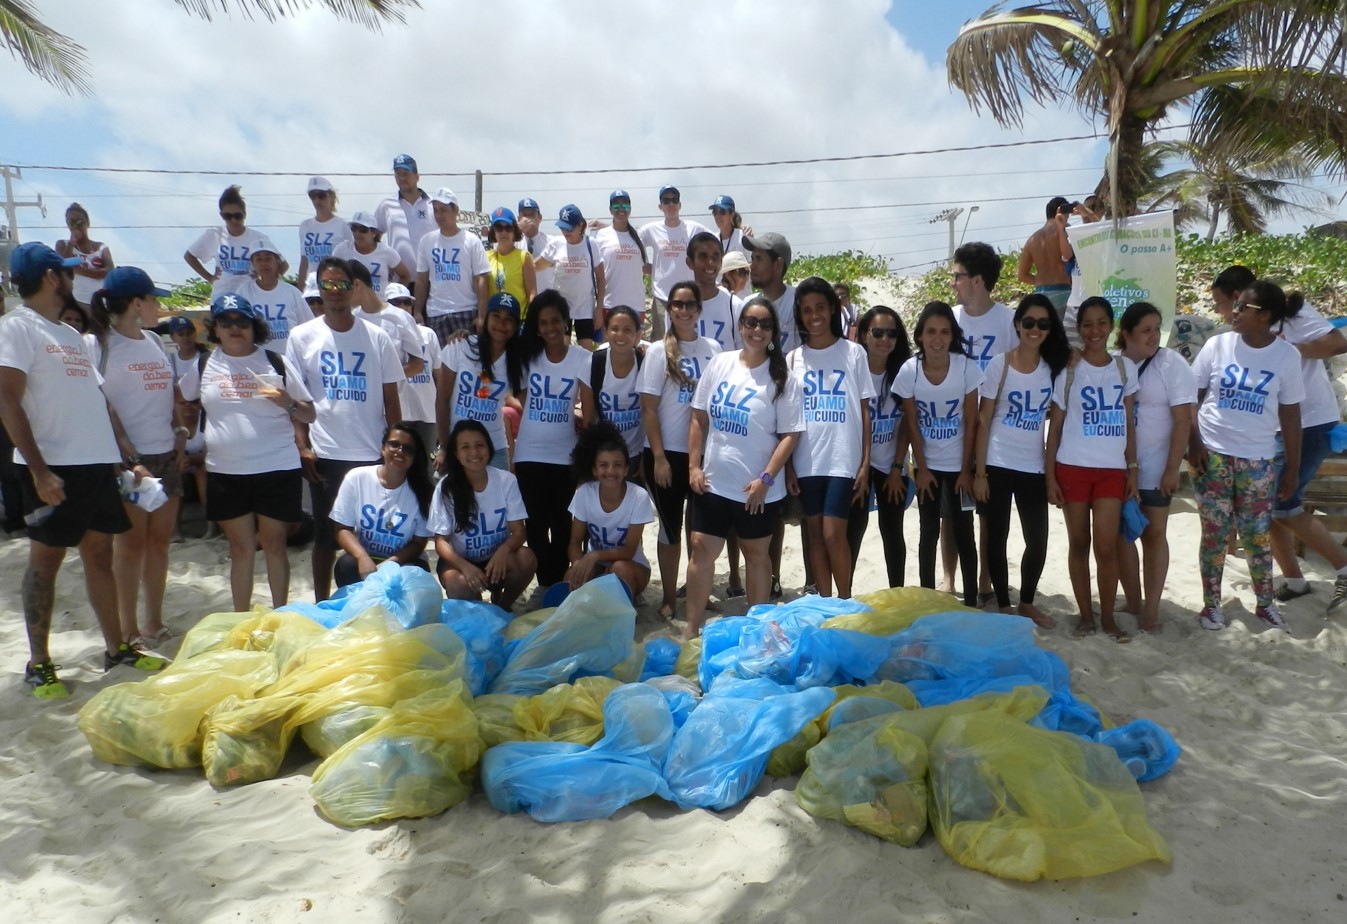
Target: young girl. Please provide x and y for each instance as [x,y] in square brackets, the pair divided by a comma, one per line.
[96,259]
[938,388]
[746,421]
[473,379]
[1166,401]
[608,513]
[830,468]
[1091,461]
[1016,395]
[729,226]
[384,265]
[553,373]
[320,235]
[1249,384]
[229,246]
[511,268]
[668,382]
[886,348]
[615,378]
[477,518]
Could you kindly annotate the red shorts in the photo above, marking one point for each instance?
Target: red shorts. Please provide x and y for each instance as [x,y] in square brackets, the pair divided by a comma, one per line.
[1081,485]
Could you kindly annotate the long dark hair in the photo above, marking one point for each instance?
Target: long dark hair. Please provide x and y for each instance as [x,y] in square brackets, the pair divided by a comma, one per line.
[776,363]
[1056,349]
[479,349]
[672,352]
[939,310]
[819,286]
[902,349]
[418,476]
[598,437]
[102,308]
[458,496]
[530,342]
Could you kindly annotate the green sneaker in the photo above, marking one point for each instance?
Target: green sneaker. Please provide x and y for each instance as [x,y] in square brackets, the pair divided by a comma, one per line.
[46,685]
[133,657]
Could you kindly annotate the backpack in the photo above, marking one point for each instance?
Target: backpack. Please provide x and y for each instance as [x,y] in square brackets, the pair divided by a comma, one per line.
[598,369]
[1071,377]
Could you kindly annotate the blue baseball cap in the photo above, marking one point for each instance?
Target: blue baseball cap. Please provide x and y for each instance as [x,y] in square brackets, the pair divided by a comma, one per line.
[527,203]
[502,214]
[232,302]
[618,194]
[669,188]
[30,262]
[178,323]
[131,282]
[503,301]
[723,202]
[404,162]
[570,218]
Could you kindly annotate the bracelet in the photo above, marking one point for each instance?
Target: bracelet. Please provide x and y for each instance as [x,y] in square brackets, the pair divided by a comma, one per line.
[1133,466]
[292,409]
[133,460]
[181,431]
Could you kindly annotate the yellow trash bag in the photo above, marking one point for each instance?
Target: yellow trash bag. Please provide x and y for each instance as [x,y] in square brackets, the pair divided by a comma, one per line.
[157,722]
[281,633]
[1023,803]
[417,761]
[323,736]
[521,626]
[689,659]
[894,609]
[570,712]
[789,758]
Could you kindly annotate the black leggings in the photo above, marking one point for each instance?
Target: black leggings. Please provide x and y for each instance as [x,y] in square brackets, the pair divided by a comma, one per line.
[547,491]
[1030,492]
[929,508]
[890,528]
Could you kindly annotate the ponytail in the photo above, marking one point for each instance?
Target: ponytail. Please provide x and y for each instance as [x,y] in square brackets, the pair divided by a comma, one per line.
[672,352]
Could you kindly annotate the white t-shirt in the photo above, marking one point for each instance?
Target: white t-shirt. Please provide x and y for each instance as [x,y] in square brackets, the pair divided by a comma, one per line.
[283,308]
[454,263]
[719,320]
[403,224]
[668,250]
[180,366]
[398,325]
[1166,383]
[381,261]
[549,249]
[474,398]
[620,403]
[675,400]
[1094,433]
[1320,405]
[940,408]
[418,402]
[1019,423]
[233,256]
[834,383]
[785,316]
[746,421]
[498,505]
[623,269]
[62,398]
[735,242]
[319,239]
[575,276]
[345,372]
[987,335]
[383,519]
[605,531]
[247,434]
[86,286]
[138,380]
[1245,386]
[547,422]
[886,416]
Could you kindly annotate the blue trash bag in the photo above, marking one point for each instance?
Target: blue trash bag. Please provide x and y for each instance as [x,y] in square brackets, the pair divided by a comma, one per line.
[1132,522]
[952,689]
[592,631]
[557,781]
[481,626]
[410,594]
[1337,437]
[765,643]
[721,752]
[1146,749]
[1063,712]
[969,646]
[661,655]
[329,614]
[720,647]
[858,708]
[681,694]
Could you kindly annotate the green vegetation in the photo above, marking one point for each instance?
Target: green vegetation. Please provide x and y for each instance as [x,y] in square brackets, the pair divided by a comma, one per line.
[848,267]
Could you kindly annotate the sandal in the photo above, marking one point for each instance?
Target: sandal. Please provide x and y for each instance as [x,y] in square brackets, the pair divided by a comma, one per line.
[165,634]
[731,592]
[1121,636]
[1084,630]
[666,612]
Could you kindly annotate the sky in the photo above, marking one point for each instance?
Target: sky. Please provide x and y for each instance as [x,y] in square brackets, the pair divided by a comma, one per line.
[542,88]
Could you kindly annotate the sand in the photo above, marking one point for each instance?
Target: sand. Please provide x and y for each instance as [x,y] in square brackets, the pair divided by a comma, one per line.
[1254,810]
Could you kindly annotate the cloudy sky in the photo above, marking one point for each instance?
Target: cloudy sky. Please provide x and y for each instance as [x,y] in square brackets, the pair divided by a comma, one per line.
[518,89]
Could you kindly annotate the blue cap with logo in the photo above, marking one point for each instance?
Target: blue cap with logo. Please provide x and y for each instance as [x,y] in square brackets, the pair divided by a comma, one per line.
[618,194]
[232,301]
[725,203]
[31,261]
[527,203]
[502,215]
[131,282]
[404,162]
[570,218]
[503,301]
[180,323]
[669,188]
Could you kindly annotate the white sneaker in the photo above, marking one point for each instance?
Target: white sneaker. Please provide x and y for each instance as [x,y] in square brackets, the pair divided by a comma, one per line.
[1211,618]
[1273,617]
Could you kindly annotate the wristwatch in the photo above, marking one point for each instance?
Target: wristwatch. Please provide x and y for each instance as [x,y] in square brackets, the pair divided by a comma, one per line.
[767,478]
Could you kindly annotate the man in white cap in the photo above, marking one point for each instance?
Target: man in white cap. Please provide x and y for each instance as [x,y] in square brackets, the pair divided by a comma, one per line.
[318,236]
[405,218]
[666,244]
[451,272]
[382,261]
[279,303]
[545,249]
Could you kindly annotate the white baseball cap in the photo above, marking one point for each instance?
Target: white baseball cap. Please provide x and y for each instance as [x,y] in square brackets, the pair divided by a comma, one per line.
[444,196]
[319,184]
[364,219]
[395,290]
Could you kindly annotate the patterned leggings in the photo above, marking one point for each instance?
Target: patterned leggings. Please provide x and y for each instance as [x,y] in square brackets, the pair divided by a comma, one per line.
[1236,495]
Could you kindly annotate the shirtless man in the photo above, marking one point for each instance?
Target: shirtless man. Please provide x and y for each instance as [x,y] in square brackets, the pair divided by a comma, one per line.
[1045,256]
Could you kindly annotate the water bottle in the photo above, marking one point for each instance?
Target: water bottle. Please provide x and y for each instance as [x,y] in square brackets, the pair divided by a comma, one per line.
[40,515]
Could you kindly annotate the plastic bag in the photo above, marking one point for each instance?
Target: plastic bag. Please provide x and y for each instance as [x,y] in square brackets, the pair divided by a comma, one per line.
[1064,712]
[592,631]
[157,722]
[852,703]
[482,627]
[1132,522]
[279,632]
[661,657]
[562,782]
[415,762]
[870,774]
[894,609]
[521,626]
[409,594]
[1146,750]
[570,712]
[1023,803]
[689,657]
[325,736]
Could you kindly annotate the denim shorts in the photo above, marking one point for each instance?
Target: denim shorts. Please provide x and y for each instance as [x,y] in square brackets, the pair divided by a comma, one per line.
[1314,449]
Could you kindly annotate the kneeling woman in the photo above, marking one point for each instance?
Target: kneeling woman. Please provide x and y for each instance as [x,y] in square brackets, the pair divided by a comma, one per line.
[608,512]
[380,511]
[477,518]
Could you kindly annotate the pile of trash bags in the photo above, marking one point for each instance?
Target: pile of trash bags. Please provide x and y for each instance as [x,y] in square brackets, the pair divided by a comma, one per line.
[897,714]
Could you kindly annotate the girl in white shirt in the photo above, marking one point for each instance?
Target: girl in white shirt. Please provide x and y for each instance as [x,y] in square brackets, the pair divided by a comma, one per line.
[1166,401]
[476,378]
[729,225]
[1091,461]
[938,388]
[320,235]
[618,397]
[95,258]
[1012,416]
[608,513]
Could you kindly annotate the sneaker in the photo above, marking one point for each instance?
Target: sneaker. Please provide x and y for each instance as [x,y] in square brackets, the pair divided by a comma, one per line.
[1211,618]
[1285,594]
[776,593]
[1339,596]
[1273,617]
[42,678]
[133,657]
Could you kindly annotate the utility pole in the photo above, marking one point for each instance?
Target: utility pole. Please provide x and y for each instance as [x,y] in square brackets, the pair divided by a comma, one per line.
[12,206]
[950,215]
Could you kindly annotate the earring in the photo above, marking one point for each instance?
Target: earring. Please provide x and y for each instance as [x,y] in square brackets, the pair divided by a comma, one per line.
[771,345]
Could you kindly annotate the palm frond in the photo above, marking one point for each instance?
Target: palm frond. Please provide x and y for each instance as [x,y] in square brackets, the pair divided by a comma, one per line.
[371,14]
[47,53]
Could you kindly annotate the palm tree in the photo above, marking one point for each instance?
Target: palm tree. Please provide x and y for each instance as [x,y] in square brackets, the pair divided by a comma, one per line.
[1257,77]
[60,61]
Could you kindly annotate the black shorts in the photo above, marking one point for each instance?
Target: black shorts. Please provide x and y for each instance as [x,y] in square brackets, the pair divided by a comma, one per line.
[713,515]
[669,502]
[331,473]
[275,495]
[822,495]
[584,330]
[93,503]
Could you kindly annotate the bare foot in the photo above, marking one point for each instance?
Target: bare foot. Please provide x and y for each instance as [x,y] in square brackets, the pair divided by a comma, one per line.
[1084,627]
[1112,630]
[1040,618]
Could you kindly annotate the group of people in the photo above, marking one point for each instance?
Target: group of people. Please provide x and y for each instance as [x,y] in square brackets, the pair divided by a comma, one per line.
[510,414]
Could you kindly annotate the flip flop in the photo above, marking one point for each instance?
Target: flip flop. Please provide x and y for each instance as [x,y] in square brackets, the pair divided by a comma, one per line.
[164,634]
[732,592]
[1118,635]
[1154,628]
[666,612]
[1084,631]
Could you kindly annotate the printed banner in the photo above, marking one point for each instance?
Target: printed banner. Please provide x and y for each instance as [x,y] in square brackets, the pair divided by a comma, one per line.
[1132,261]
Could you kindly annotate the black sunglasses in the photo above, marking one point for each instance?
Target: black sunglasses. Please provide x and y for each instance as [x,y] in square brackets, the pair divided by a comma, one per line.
[756,323]
[1031,323]
[884,333]
[395,446]
[232,216]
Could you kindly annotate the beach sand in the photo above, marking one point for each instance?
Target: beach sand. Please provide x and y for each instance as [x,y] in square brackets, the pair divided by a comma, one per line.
[1254,810]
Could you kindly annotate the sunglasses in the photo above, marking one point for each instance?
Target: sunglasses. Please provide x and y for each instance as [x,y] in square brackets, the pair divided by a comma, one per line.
[1032,323]
[395,446]
[676,304]
[233,320]
[319,194]
[884,333]
[1240,306]
[78,222]
[233,216]
[669,201]
[332,285]
[360,229]
[756,323]
[620,206]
